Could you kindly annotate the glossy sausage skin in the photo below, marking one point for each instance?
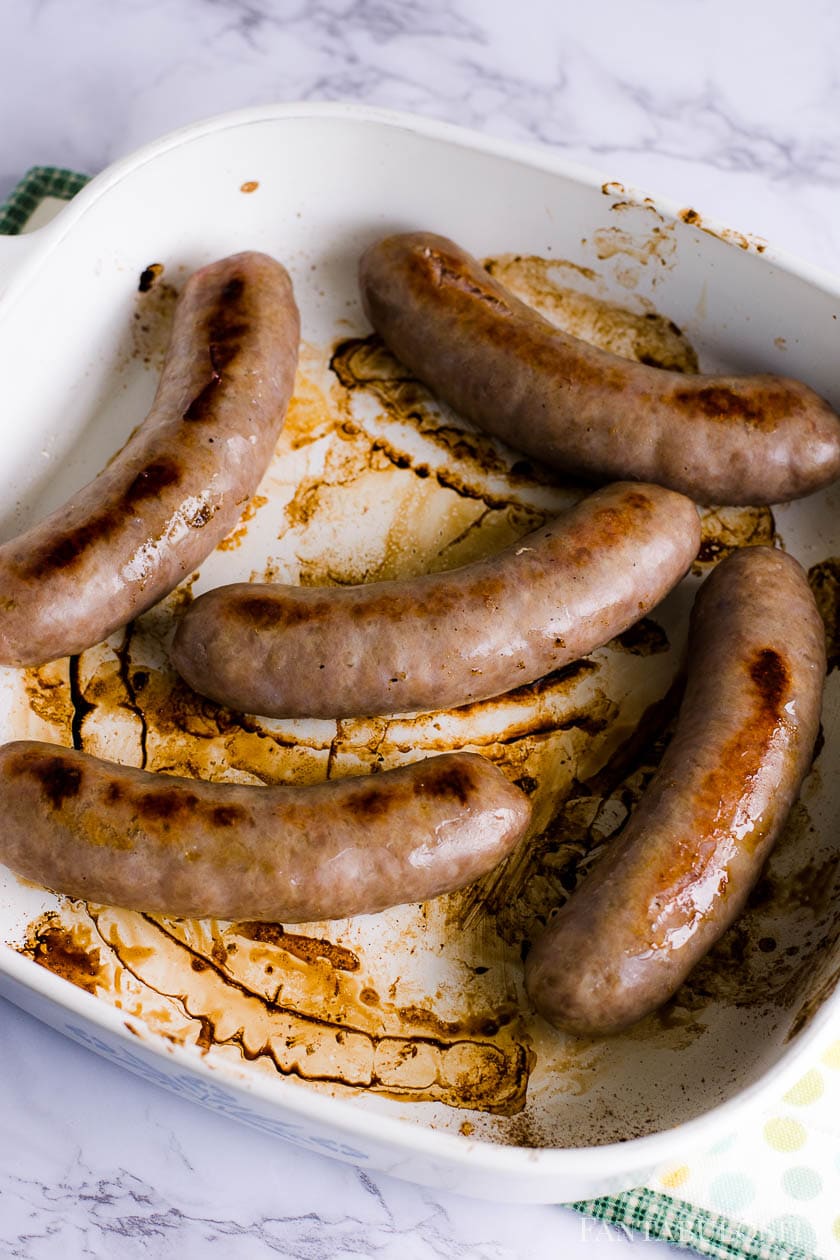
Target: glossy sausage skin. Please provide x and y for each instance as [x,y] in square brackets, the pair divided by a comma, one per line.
[750,439]
[177,846]
[671,884]
[442,639]
[180,482]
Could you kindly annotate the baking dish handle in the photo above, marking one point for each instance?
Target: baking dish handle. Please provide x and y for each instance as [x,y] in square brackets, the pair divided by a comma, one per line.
[14,250]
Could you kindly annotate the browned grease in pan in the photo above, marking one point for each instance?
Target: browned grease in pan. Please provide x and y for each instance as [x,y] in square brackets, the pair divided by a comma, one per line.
[290,1009]
[647,337]
[824,581]
[152,319]
[68,952]
[233,539]
[374,479]
[743,240]
[725,529]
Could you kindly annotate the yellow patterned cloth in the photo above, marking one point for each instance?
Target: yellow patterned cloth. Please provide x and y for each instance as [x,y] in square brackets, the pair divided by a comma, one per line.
[780,1176]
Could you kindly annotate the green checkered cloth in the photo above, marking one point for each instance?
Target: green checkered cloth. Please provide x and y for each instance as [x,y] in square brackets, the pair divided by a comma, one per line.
[658,1216]
[646,1212]
[37,184]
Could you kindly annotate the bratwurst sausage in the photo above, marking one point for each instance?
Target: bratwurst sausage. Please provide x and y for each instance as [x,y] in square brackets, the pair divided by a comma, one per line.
[723,439]
[681,871]
[442,639]
[182,847]
[180,482]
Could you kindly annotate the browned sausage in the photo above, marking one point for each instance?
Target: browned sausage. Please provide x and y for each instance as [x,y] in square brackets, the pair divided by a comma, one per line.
[443,639]
[176,846]
[671,884]
[719,439]
[179,483]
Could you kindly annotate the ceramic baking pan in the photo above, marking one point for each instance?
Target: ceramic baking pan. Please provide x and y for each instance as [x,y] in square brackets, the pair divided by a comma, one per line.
[403,1040]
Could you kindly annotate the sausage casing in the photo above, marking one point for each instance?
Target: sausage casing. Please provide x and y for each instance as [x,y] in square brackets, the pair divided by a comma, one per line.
[680,873]
[292,854]
[442,639]
[180,482]
[726,439]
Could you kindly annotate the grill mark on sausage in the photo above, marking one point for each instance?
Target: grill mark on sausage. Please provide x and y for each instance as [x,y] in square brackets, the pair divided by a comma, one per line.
[290,609]
[228,326]
[263,612]
[199,408]
[151,480]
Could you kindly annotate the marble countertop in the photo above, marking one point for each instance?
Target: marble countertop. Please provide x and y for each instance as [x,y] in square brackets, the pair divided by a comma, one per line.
[732,109]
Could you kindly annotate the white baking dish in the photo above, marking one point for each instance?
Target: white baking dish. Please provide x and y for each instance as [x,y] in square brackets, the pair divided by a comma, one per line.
[409,1028]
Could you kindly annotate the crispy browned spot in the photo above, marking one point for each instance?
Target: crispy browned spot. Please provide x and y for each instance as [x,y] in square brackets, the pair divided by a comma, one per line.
[772,679]
[639,501]
[60,781]
[233,290]
[228,815]
[741,758]
[645,638]
[606,528]
[449,781]
[268,612]
[165,803]
[758,406]
[202,517]
[374,802]
[113,792]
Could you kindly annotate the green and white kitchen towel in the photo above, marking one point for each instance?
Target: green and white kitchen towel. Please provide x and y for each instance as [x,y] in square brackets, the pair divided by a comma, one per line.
[771,1192]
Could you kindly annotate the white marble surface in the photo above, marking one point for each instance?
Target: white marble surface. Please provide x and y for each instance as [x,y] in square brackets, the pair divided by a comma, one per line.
[95,1163]
[731,108]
